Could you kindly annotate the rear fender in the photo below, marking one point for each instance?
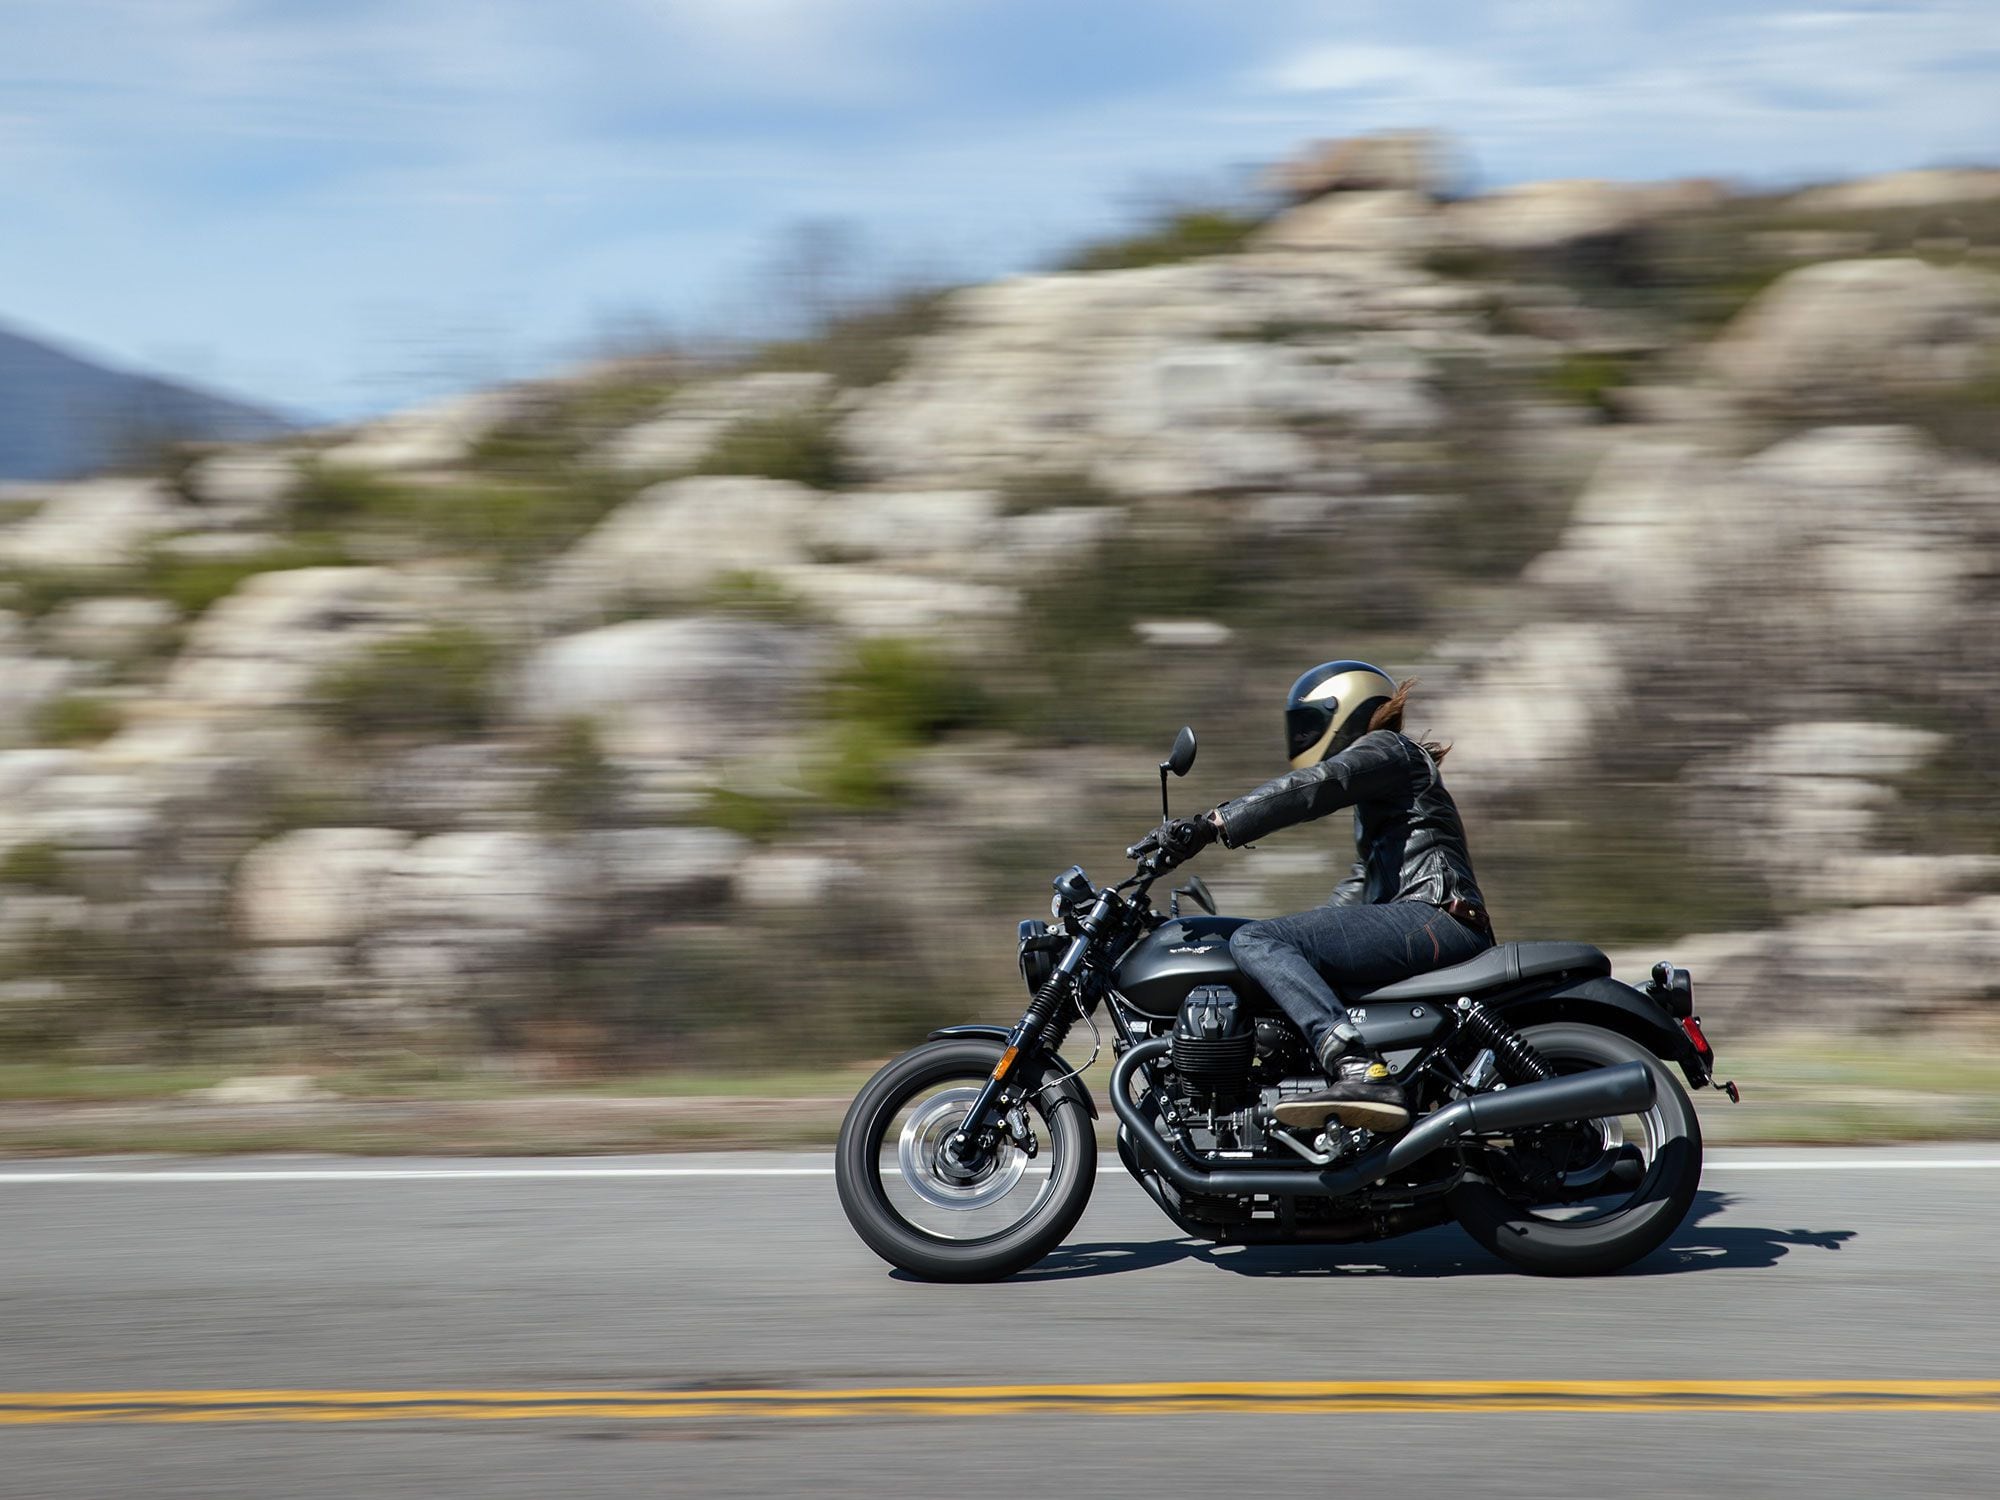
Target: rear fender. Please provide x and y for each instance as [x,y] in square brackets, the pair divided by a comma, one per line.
[1614,1006]
[1070,1088]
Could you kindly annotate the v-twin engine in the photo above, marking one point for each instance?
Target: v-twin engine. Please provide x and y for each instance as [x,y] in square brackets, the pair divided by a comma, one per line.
[1215,1042]
[1229,1070]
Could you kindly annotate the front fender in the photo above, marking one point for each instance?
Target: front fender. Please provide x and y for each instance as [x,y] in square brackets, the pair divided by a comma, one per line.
[1070,1088]
[1614,1006]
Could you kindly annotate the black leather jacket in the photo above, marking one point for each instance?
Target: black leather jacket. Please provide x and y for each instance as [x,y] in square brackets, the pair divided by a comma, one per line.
[1407,833]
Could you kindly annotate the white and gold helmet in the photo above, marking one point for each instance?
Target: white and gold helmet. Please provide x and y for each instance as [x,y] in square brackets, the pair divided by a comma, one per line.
[1329,708]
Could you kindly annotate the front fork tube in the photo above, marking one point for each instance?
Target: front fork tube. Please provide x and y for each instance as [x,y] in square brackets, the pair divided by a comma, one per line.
[975,1136]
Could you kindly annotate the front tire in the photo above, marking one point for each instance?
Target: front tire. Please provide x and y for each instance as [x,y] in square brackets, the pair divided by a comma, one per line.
[1546,1246]
[911,1087]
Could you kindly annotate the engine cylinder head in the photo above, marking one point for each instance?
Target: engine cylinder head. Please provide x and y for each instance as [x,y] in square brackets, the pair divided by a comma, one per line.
[1215,1042]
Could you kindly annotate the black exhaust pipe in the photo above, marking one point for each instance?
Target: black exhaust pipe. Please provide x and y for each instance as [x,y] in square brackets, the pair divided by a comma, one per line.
[1624,1089]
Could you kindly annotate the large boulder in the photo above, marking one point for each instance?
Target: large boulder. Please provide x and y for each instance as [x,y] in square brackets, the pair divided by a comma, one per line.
[1396,222]
[520,884]
[1929,187]
[266,643]
[1838,333]
[671,690]
[316,885]
[1869,534]
[689,424]
[1801,804]
[94,524]
[671,868]
[1409,161]
[27,679]
[1230,373]
[243,486]
[909,526]
[1536,707]
[1549,215]
[1866,967]
[795,878]
[434,436]
[875,601]
[673,541]
[108,626]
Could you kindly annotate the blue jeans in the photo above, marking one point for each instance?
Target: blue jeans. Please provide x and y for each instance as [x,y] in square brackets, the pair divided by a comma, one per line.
[1305,962]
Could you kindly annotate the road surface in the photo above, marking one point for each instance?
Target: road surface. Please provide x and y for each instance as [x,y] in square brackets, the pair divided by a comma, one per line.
[1827,1324]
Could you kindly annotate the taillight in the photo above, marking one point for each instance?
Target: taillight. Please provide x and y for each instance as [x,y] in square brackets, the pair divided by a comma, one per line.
[1692,1026]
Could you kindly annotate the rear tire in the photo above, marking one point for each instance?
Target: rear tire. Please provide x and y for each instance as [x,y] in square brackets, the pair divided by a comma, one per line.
[1656,1208]
[857,1171]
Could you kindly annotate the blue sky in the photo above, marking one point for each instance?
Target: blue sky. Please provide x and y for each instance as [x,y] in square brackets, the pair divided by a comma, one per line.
[340,205]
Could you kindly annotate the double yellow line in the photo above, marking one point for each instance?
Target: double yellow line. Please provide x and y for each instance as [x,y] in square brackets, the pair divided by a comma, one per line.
[1128,1399]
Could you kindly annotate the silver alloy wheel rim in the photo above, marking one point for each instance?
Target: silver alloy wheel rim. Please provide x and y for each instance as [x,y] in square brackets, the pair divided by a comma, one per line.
[923,1137]
[1611,1132]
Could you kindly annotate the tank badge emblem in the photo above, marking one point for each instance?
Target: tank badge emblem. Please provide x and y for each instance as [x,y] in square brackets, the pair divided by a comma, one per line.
[1204,948]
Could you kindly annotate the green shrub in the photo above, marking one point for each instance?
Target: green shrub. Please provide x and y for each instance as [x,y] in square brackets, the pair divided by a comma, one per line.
[1464,263]
[861,348]
[192,584]
[753,815]
[800,446]
[1021,494]
[438,682]
[75,719]
[745,591]
[1588,379]
[35,592]
[907,692]
[860,772]
[1611,863]
[1184,236]
[329,495]
[38,864]
[581,787]
[506,520]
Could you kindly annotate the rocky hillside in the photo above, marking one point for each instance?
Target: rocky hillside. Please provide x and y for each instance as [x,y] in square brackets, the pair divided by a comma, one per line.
[613,717]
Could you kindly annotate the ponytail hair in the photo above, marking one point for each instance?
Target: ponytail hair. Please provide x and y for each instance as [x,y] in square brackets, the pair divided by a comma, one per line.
[1390,716]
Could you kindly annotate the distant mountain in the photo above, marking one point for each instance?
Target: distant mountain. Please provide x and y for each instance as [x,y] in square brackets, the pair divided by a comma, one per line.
[61,415]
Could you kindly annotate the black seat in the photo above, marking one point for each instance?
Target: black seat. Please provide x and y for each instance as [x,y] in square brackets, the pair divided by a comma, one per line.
[1505,964]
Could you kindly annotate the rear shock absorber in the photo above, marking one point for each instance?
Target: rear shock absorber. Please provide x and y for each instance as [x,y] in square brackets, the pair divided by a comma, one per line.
[1516,1054]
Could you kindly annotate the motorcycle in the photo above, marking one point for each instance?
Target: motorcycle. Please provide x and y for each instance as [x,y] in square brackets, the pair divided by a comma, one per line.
[1546,1120]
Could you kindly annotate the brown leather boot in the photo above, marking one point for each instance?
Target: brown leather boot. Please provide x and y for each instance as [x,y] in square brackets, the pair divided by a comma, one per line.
[1363,1094]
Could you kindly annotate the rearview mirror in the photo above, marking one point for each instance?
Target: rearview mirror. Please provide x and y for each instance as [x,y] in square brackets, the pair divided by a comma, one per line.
[1196,890]
[1180,759]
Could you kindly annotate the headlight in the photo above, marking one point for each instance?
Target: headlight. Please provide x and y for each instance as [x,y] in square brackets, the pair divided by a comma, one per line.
[1038,960]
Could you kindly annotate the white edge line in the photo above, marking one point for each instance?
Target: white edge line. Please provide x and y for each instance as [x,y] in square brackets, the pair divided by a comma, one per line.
[559,1174]
[420,1174]
[1893,1164]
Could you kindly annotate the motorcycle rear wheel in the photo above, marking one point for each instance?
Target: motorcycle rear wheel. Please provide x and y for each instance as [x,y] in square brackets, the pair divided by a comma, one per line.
[1536,1242]
[912,1089]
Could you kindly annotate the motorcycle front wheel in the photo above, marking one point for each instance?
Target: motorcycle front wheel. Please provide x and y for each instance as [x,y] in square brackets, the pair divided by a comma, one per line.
[916,1210]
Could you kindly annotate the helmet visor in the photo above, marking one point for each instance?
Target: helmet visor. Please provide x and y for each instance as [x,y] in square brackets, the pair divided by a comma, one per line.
[1306,725]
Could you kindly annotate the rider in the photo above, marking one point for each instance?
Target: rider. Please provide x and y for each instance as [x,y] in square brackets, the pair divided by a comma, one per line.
[1410,905]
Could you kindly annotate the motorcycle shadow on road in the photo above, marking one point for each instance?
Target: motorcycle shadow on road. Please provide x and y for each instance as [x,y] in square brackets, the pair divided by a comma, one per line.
[1698,1245]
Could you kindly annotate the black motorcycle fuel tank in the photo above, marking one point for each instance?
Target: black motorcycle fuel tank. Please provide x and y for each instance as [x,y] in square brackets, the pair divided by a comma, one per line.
[1157,972]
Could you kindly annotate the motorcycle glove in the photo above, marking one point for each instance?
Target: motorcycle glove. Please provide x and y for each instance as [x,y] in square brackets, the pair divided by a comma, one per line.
[1179,839]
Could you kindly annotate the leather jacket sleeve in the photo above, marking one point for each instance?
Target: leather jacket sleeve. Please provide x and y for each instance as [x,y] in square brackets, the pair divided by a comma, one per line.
[1374,768]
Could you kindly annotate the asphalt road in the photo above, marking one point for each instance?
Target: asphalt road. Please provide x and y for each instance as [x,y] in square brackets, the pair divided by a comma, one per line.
[457,1280]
